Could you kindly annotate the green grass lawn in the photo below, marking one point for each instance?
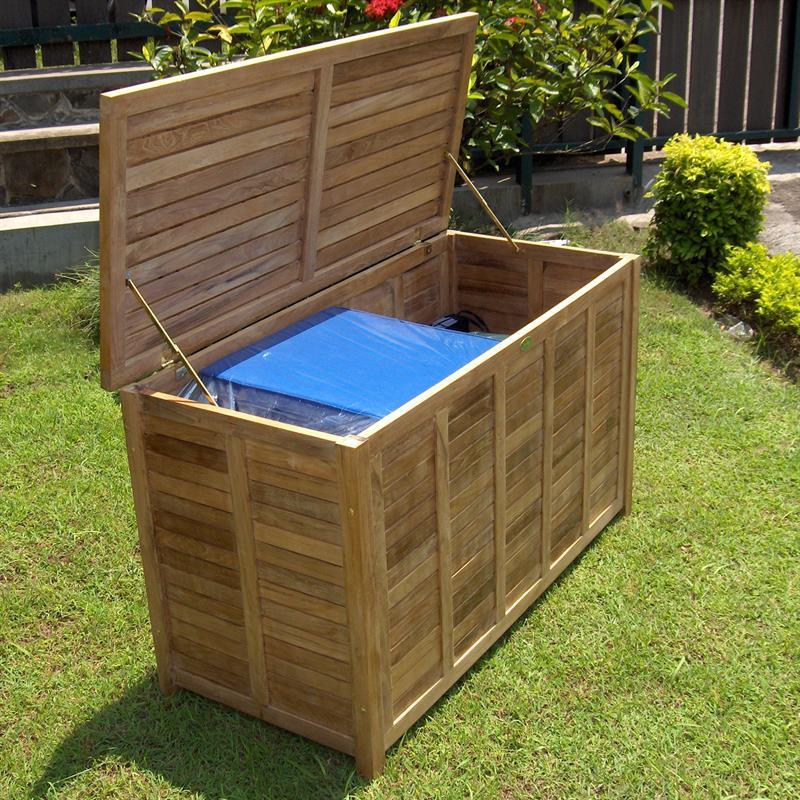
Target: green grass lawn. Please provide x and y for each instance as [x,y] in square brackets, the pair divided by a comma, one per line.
[665,664]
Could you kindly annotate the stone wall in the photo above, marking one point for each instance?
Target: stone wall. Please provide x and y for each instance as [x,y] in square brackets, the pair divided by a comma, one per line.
[45,175]
[66,107]
[49,130]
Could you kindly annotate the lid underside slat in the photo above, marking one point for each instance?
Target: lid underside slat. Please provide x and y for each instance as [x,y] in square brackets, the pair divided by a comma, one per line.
[230,194]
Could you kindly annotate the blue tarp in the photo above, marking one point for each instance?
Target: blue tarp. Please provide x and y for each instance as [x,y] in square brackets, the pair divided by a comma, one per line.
[339,370]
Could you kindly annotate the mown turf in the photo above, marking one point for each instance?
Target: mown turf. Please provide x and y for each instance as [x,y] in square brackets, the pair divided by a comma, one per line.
[664,664]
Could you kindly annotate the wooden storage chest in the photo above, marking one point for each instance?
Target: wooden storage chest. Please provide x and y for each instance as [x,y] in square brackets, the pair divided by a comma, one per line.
[337,586]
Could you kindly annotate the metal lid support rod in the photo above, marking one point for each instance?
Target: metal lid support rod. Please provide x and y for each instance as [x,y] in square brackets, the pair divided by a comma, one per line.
[479,197]
[171,342]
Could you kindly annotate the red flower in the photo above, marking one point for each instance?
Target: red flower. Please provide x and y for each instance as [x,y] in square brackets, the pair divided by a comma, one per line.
[538,8]
[512,21]
[380,9]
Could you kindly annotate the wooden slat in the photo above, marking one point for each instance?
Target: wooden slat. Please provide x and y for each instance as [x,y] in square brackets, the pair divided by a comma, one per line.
[212,640]
[274,210]
[56,12]
[187,490]
[416,497]
[442,488]
[182,562]
[373,158]
[123,9]
[282,527]
[160,422]
[178,579]
[359,68]
[703,90]
[301,637]
[309,677]
[92,11]
[204,606]
[223,661]
[17,14]
[323,664]
[413,184]
[175,468]
[151,222]
[153,171]
[400,549]
[311,730]
[547,463]
[308,604]
[299,554]
[245,547]
[416,479]
[264,165]
[190,453]
[296,501]
[631,357]
[763,63]
[398,571]
[313,704]
[154,579]
[271,575]
[357,88]
[208,622]
[210,673]
[209,534]
[367,612]
[315,461]
[321,629]
[347,199]
[322,102]
[673,48]
[298,483]
[732,90]
[197,133]
[196,548]
[420,665]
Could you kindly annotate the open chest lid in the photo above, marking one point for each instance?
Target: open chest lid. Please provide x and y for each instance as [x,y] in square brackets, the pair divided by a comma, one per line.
[229,194]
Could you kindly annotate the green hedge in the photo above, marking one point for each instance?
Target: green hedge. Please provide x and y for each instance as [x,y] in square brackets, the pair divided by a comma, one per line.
[709,194]
[768,287]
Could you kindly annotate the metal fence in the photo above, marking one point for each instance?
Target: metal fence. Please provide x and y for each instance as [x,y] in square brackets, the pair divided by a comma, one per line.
[72,31]
[737,63]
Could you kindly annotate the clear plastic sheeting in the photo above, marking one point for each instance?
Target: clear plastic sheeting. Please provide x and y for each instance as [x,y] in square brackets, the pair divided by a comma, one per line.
[337,371]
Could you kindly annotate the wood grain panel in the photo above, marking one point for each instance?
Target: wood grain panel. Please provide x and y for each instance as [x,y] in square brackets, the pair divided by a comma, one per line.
[315,138]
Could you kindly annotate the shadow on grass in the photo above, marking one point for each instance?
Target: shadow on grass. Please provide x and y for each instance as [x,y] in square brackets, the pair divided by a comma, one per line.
[201,746]
[195,744]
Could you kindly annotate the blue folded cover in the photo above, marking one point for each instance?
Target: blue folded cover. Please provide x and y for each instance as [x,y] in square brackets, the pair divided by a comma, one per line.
[339,370]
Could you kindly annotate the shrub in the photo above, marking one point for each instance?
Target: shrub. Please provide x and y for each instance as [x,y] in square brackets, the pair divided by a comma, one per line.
[752,282]
[709,194]
[543,61]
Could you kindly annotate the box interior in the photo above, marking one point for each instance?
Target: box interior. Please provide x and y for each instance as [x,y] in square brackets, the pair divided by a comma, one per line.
[456,272]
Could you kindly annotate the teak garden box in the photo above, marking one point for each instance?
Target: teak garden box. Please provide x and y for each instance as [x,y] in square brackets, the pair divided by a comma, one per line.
[337,586]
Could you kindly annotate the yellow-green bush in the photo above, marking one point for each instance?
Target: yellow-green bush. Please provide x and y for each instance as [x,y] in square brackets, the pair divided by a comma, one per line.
[752,281]
[709,194]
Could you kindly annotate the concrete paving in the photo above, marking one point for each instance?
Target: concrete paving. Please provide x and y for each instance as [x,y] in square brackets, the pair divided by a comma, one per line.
[781,217]
[36,247]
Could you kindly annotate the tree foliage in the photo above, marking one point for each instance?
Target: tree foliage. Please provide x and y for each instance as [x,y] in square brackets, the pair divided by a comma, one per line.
[538,60]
